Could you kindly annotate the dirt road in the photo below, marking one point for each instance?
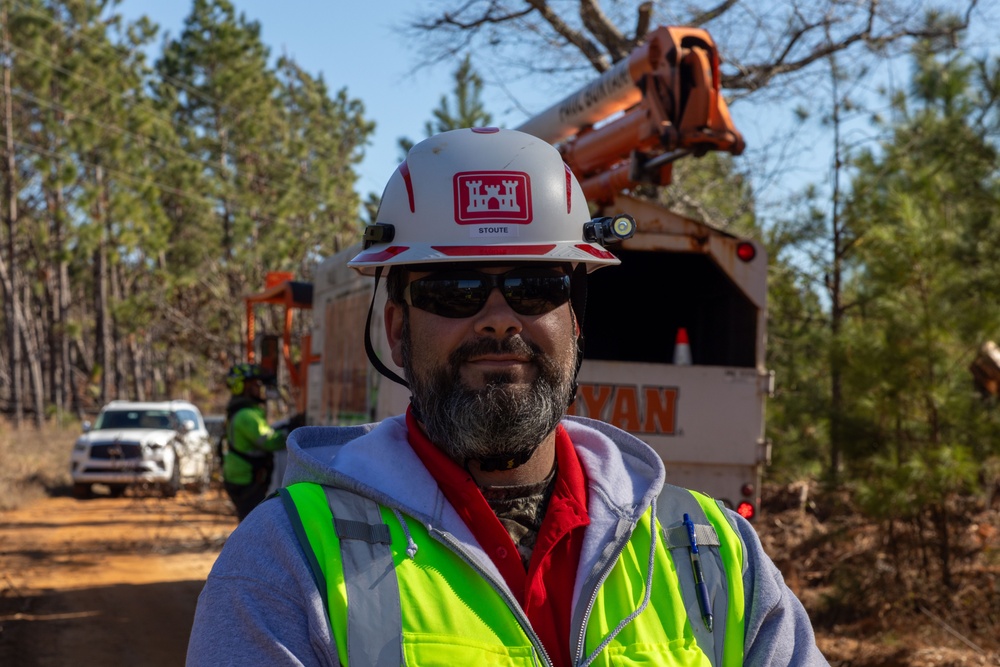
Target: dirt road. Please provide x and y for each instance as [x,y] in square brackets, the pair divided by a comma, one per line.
[106,581]
[114,581]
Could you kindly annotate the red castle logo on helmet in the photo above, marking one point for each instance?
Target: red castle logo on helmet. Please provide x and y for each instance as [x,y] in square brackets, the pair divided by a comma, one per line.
[485,196]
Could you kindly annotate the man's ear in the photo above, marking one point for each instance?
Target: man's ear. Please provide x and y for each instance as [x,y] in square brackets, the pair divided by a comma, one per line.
[392,314]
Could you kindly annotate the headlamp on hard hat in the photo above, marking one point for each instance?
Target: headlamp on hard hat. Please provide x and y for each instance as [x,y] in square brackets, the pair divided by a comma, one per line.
[380,232]
[609,229]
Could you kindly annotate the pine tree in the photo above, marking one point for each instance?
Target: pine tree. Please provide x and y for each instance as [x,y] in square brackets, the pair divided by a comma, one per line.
[467,111]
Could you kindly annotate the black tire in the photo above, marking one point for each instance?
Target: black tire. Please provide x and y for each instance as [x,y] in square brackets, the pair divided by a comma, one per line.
[82,491]
[204,483]
[171,488]
[117,490]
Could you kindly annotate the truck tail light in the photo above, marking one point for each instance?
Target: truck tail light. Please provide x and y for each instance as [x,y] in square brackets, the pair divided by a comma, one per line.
[745,251]
[746,509]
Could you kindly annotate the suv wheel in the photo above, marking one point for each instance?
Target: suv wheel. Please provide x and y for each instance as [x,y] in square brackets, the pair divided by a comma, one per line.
[81,490]
[171,488]
[117,490]
[204,481]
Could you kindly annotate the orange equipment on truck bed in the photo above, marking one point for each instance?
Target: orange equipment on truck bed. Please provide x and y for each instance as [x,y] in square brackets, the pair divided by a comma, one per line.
[281,289]
[627,127]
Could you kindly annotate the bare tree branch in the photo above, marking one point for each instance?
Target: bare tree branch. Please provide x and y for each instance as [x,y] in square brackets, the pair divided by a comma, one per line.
[595,20]
[644,19]
[756,76]
[494,14]
[586,46]
[706,16]
[762,40]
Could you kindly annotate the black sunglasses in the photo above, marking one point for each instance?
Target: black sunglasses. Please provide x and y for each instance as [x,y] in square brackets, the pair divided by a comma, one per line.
[463,293]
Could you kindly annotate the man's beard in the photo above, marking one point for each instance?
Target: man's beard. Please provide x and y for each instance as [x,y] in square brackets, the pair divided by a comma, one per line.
[502,419]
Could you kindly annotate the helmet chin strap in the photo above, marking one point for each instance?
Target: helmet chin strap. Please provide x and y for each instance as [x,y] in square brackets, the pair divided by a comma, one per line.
[579,361]
[578,299]
[369,348]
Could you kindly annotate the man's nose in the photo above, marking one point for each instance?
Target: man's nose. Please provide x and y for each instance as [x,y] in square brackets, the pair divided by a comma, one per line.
[497,317]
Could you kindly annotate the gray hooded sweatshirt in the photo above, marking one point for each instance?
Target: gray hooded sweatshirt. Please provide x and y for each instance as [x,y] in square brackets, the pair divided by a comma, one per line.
[260,604]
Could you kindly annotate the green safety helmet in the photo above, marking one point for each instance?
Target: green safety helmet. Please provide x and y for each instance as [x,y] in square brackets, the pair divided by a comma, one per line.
[240,373]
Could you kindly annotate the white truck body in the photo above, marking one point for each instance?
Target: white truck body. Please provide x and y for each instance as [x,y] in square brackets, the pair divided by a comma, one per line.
[706,420]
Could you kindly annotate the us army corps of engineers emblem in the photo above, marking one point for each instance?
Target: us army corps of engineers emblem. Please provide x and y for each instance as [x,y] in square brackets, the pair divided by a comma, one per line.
[493,203]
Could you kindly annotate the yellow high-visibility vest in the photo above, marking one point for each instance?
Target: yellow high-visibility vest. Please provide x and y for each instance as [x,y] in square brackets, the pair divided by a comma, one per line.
[396,594]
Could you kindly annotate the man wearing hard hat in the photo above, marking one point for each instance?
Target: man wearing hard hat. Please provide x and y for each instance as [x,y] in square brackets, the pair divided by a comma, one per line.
[484,526]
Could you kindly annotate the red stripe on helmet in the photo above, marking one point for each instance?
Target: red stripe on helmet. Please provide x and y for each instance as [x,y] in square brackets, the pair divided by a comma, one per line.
[377,256]
[494,250]
[569,189]
[404,171]
[596,251]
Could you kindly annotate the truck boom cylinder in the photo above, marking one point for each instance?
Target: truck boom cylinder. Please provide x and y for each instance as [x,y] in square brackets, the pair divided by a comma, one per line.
[664,99]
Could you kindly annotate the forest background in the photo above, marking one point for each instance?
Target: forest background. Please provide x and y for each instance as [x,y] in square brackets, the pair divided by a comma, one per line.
[142,199]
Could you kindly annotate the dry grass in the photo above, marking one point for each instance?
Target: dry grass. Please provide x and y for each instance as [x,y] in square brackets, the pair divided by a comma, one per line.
[33,462]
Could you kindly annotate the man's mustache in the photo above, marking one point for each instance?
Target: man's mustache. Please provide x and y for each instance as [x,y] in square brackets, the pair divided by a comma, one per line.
[480,346]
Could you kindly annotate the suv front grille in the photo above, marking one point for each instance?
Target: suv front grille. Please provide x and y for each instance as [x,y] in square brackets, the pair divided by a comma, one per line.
[116,450]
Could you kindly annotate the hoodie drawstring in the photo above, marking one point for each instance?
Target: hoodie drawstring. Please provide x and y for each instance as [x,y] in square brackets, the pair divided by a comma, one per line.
[411,546]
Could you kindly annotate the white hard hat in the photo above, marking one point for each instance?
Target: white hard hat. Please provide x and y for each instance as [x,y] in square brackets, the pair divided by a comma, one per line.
[481,195]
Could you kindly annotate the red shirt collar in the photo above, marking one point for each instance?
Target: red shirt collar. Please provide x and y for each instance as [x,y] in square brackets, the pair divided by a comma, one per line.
[463,493]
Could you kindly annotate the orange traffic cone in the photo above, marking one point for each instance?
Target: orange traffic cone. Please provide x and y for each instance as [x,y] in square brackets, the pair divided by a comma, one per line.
[682,350]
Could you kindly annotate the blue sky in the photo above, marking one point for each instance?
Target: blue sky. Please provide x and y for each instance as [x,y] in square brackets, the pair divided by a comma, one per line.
[354,45]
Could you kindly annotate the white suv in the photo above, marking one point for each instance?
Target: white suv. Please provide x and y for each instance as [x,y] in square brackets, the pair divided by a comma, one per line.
[163,445]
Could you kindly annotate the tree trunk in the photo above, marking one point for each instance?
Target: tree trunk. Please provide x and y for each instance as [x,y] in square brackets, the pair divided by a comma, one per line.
[53,368]
[68,390]
[22,332]
[102,305]
[135,355]
[33,336]
[939,512]
[158,380]
[56,283]
[835,290]
[8,272]
[62,391]
[117,343]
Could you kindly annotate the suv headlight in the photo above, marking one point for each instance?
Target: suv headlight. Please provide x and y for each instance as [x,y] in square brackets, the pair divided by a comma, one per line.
[151,450]
[80,446]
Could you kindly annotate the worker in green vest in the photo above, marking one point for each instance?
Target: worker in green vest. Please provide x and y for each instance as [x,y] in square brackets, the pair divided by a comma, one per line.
[248,457]
[484,525]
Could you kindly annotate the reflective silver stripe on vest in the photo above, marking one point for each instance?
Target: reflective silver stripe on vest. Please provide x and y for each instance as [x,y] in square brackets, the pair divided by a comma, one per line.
[672,505]
[374,616]
[678,535]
